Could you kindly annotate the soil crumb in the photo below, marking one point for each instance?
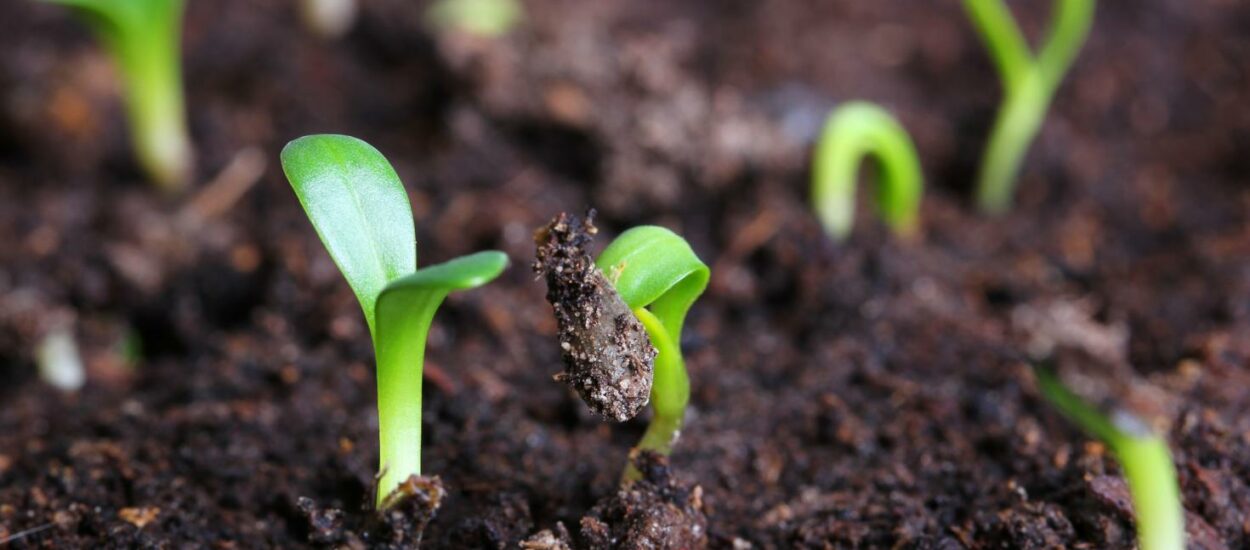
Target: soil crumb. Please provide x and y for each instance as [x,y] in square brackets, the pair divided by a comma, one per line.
[654,512]
[608,358]
[402,525]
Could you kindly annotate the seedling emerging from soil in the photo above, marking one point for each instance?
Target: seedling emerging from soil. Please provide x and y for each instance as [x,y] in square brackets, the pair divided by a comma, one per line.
[143,37]
[1143,455]
[360,210]
[853,131]
[645,281]
[489,18]
[1029,83]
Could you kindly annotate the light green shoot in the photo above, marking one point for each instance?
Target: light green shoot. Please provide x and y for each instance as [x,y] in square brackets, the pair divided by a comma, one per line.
[360,210]
[1029,83]
[659,277]
[489,18]
[143,37]
[1143,455]
[853,131]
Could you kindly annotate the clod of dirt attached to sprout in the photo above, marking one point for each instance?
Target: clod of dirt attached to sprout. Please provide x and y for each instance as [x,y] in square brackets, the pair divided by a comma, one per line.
[608,357]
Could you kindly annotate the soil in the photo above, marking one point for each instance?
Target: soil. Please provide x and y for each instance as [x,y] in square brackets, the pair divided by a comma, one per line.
[864,394]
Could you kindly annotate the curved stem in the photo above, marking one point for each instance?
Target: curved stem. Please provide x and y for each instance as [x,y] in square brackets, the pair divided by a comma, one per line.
[670,392]
[1144,457]
[1029,85]
[998,29]
[854,131]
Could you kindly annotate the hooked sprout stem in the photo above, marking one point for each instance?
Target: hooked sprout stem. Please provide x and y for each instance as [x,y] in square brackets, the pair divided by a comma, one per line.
[853,131]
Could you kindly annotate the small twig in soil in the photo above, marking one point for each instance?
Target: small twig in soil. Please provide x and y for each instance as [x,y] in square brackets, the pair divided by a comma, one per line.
[221,193]
[853,131]
[26,533]
[360,210]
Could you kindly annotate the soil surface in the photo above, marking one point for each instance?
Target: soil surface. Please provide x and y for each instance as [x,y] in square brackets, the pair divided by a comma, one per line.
[863,394]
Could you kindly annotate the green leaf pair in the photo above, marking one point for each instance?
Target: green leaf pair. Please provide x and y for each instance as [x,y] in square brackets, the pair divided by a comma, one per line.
[1029,83]
[143,37]
[360,210]
[659,277]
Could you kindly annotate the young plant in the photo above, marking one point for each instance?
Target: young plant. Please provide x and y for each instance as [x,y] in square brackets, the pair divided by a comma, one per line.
[1143,455]
[620,319]
[659,277]
[143,37]
[361,213]
[487,18]
[853,131]
[1029,83]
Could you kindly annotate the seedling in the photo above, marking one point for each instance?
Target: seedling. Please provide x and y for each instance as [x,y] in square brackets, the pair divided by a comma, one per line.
[361,213]
[642,283]
[853,131]
[1143,455]
[487,18]
[143,38]
[659,276]
[1029,83]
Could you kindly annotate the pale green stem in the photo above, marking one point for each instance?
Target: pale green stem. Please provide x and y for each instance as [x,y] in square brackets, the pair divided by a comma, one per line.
[670,392]
[1145,459]
[401,361]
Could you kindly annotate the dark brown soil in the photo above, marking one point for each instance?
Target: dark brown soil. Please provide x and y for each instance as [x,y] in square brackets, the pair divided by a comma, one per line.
[868,394]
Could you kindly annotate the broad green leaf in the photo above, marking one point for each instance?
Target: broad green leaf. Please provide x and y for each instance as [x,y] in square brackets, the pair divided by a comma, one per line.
[655,268]
[405,309]
[359,208]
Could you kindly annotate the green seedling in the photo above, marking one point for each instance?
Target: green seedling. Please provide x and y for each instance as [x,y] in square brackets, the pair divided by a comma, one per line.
[853,131]
[659,277]
[143,37]
[1029,83]
[360,210]
[488,18]
[1143,455]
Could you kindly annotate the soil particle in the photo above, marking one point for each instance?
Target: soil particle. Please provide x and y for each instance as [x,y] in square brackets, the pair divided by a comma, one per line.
[401,525]
[654,512]
[548,539]
[608,357]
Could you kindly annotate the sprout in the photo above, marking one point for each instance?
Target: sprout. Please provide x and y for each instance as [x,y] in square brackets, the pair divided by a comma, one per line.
[360,210]
[659,277]
[143,38]
[488,18]
[1143,455]
[644,282]
[853,131]
[1029,83]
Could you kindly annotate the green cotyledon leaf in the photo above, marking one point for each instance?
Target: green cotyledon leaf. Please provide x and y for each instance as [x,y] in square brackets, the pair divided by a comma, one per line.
[359,208]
